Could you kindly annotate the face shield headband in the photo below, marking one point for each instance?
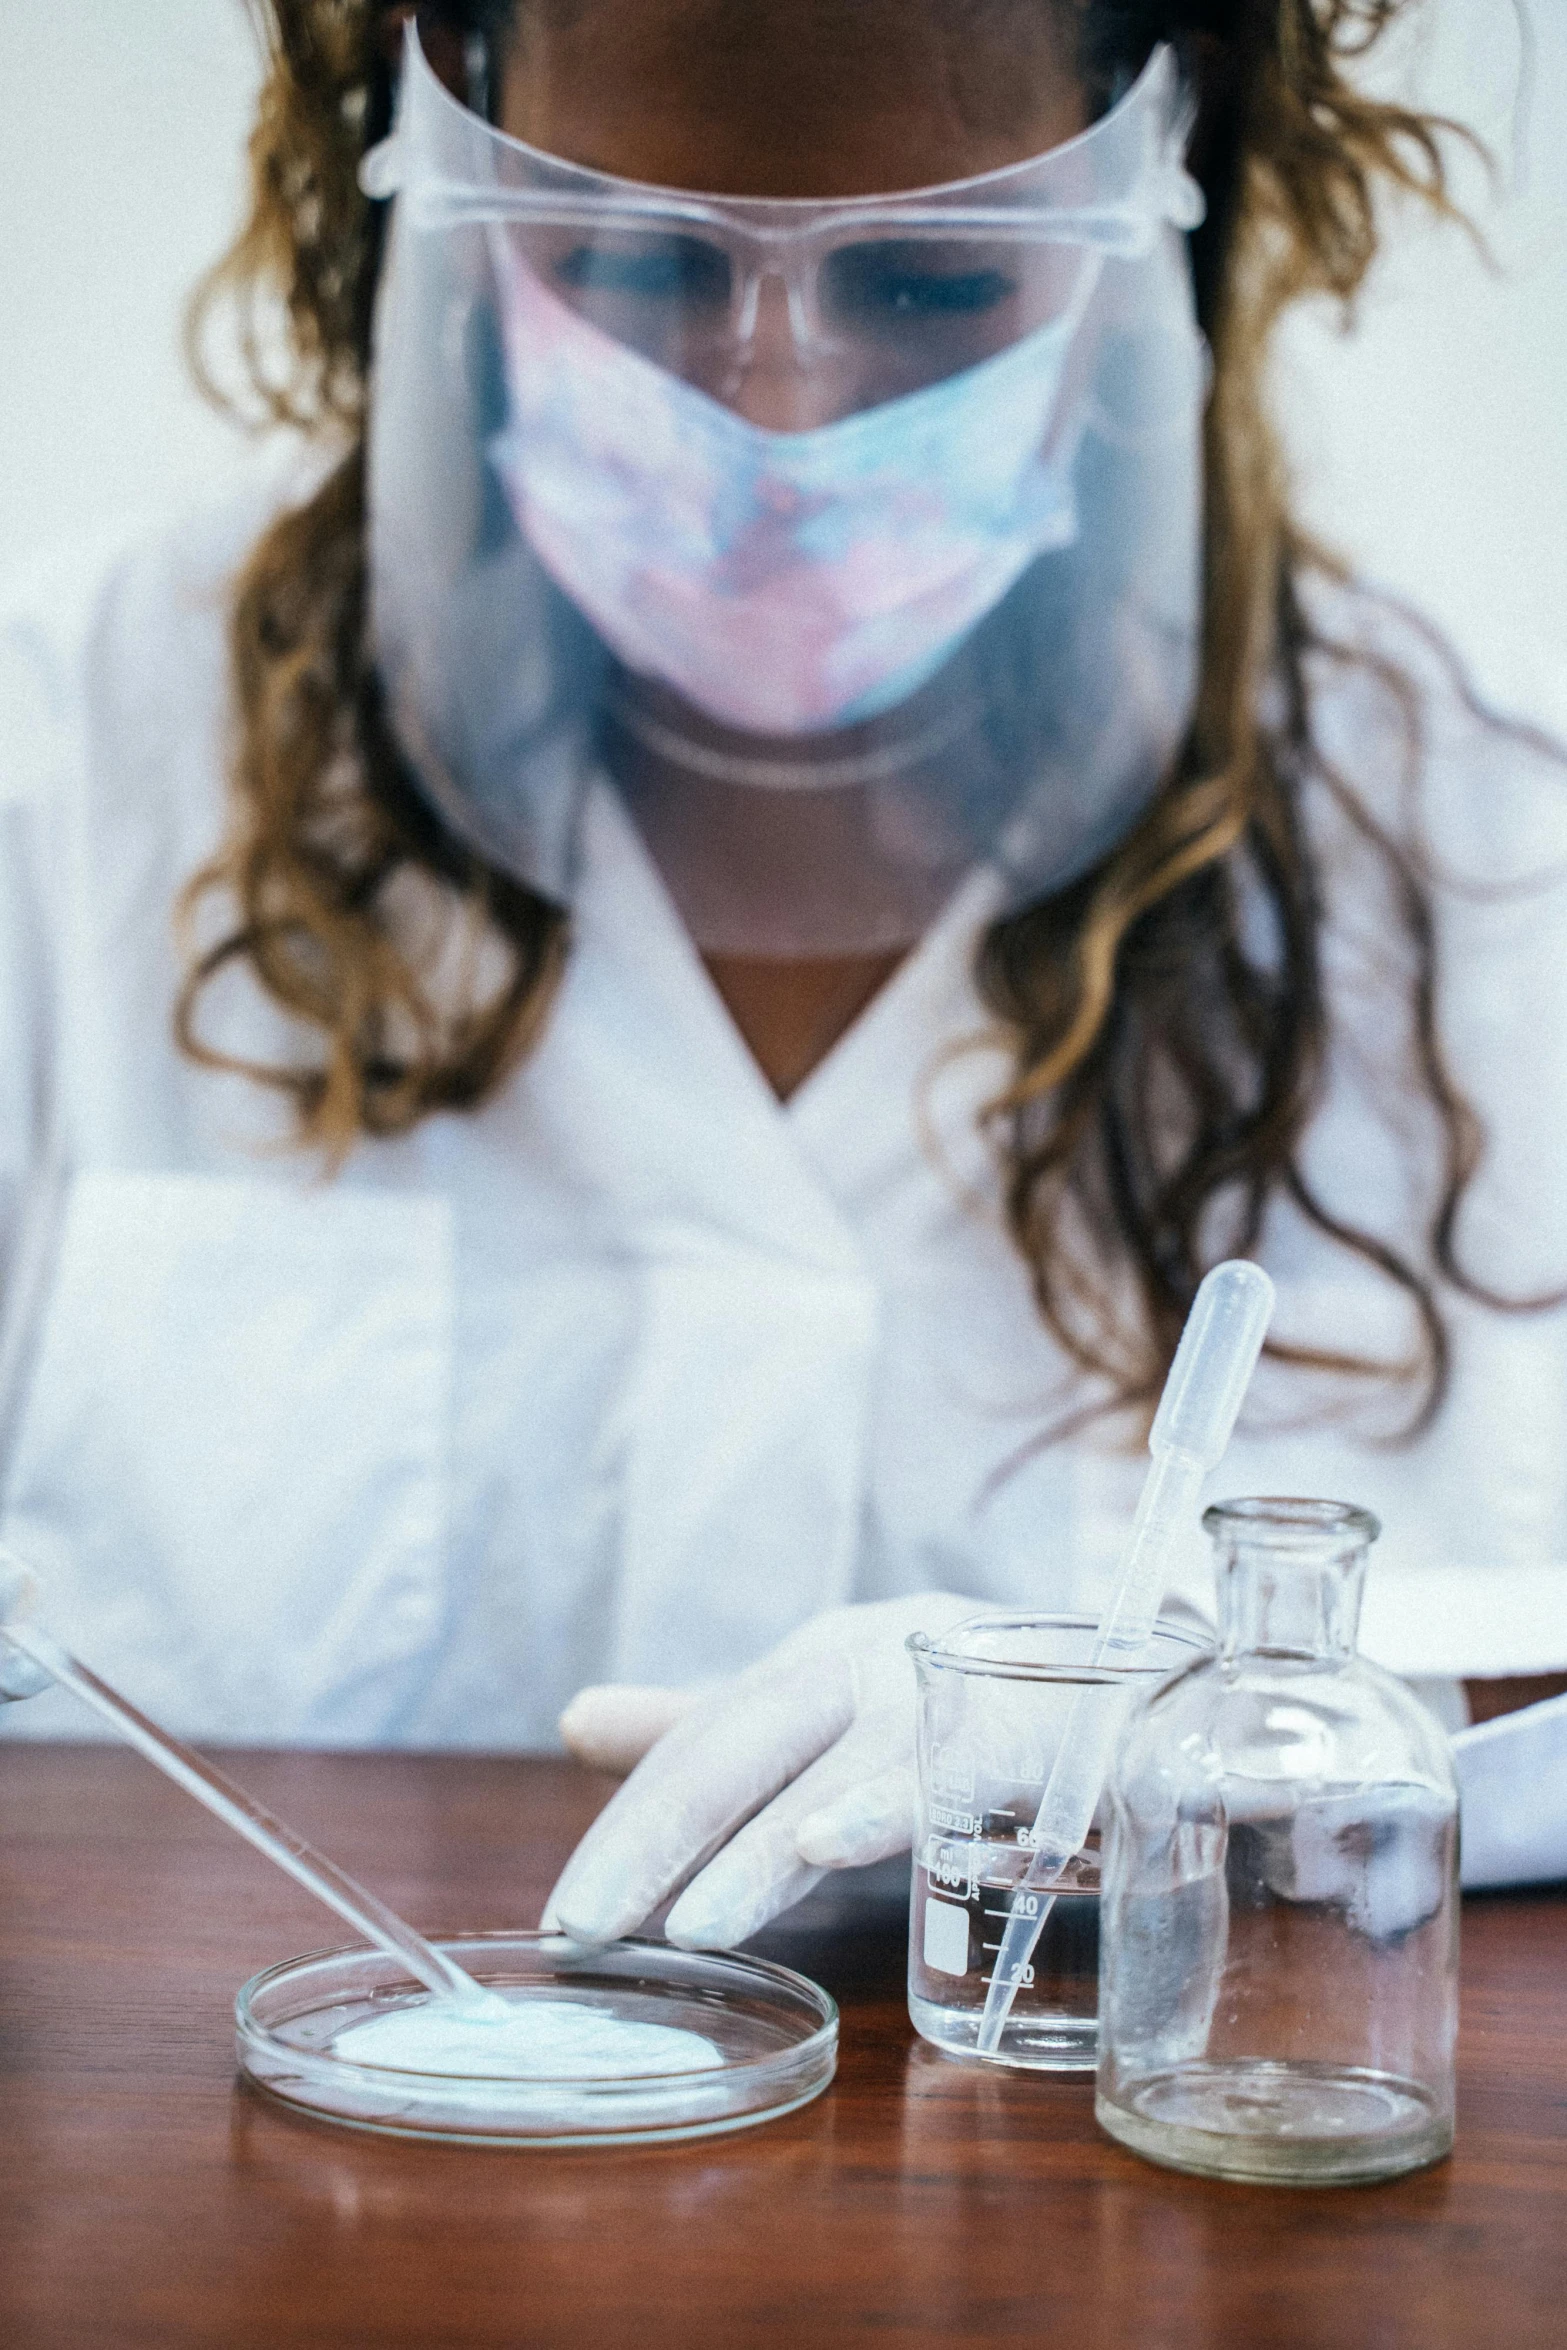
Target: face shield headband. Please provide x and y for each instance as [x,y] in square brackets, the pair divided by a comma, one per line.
[856,542]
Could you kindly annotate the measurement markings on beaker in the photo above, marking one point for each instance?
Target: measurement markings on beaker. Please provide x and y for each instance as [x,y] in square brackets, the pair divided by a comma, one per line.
[995,1912]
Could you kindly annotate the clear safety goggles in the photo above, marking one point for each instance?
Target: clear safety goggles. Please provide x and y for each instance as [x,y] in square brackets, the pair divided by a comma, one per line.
[916,285]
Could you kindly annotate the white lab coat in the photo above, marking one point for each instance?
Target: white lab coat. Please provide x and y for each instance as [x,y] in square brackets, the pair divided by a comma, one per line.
[635,1368]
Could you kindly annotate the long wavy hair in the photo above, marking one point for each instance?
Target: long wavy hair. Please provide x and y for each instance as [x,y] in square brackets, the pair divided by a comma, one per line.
[1165,1070]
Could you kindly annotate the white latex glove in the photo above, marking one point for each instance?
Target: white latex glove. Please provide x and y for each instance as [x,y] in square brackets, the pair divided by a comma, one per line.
[611,1725]
[19,1676]
[802,1763]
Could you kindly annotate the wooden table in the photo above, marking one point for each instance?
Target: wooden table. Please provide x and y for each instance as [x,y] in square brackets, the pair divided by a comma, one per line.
[149,2202]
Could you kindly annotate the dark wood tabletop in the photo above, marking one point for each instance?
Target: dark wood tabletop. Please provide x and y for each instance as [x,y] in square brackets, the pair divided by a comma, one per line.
[149,2201]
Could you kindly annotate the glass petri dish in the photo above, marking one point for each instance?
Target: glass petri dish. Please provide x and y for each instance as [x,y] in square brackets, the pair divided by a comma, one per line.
[762,2042]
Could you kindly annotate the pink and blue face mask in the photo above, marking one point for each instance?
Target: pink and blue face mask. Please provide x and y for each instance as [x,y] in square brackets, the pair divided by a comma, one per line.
[782,582]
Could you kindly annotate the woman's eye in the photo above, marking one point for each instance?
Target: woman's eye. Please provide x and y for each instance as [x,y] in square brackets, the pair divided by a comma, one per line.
[651,269]
[875,286]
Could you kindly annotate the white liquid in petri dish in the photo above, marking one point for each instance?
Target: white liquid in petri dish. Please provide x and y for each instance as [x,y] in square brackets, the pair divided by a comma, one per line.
[541,2039]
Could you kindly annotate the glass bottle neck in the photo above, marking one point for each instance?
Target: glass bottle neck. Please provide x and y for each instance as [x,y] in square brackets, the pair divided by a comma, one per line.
[1291,1577]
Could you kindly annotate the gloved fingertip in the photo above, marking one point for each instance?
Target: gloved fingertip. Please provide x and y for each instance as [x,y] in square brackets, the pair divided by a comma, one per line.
[611,1725]
[699,1924]
[606,1730]
[826,1840]
[590,1912]
[589,1922]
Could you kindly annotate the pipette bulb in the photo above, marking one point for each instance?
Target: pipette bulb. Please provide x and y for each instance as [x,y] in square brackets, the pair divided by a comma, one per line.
[1214,1362]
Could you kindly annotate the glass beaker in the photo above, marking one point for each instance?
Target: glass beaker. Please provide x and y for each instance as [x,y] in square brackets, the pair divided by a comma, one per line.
[1279,1986]
[994,1694]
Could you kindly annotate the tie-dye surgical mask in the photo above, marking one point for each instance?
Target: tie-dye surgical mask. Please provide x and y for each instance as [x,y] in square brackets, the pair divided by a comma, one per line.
[783,582]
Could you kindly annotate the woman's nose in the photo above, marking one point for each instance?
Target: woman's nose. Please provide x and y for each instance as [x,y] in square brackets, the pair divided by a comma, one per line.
[784,379]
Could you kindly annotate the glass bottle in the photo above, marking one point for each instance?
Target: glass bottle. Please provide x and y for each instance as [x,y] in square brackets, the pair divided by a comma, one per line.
[1279,1954]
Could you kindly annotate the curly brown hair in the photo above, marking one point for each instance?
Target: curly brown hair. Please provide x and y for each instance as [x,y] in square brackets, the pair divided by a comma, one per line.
[1164,1073]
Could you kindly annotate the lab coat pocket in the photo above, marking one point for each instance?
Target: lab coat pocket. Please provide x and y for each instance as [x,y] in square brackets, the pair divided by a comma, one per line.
[231,1462]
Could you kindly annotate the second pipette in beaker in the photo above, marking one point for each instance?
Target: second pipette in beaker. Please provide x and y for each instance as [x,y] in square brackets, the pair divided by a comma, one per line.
[1193,1425]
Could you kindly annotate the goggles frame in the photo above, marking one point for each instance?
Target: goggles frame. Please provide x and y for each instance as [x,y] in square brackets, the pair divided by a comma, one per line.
[791,240]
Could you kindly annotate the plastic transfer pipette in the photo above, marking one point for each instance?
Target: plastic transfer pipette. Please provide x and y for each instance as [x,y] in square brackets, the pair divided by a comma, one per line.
[235,1808]
[1196,1417]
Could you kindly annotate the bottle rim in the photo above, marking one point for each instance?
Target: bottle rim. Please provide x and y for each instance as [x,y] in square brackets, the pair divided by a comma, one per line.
[1290,1521]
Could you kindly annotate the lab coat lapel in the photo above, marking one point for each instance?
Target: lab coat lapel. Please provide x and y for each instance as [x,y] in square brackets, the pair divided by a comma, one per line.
[652,1090]
[891,1119]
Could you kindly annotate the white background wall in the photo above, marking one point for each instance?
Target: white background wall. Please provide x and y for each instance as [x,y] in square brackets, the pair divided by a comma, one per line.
[1431,443]
[122,126]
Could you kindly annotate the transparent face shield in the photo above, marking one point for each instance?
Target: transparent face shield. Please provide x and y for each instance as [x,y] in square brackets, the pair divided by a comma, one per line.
[854,542]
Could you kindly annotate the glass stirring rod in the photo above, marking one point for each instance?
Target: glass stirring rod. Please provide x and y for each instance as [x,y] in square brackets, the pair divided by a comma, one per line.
[1195,1420]
[236,1809]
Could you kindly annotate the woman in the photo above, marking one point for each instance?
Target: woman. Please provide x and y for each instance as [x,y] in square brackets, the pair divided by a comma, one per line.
[805,845]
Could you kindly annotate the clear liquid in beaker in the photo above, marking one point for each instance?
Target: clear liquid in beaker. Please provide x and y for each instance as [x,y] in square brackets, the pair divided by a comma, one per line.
[962,1895]
[996,1698]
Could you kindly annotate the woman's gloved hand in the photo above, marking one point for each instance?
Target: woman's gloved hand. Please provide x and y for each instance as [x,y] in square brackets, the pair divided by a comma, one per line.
[19,1676]
[750,1788]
